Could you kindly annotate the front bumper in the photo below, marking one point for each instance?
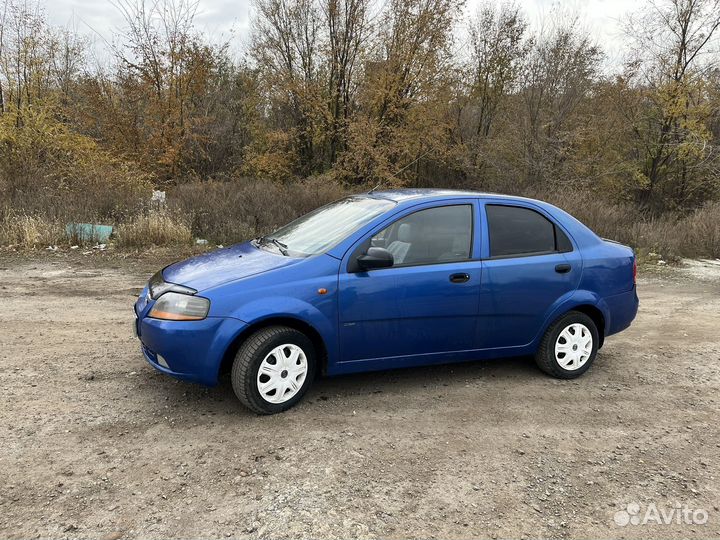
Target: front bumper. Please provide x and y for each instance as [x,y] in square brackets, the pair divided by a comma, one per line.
[191,350]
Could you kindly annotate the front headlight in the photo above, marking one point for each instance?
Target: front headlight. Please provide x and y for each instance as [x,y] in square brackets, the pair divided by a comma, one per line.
[180,307]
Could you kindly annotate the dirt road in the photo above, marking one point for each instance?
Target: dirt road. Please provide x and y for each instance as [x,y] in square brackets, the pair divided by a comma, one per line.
[95,443]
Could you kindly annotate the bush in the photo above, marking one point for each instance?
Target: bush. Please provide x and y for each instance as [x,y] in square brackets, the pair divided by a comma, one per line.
[29,231]
[671,235]
[230,212]
[699,233]
[158,229]
[48,170]
[40,202]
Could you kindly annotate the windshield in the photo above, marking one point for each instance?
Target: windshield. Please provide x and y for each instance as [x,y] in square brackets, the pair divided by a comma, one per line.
[322,229]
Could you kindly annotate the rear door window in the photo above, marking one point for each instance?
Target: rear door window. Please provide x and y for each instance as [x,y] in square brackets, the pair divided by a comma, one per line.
[517,231]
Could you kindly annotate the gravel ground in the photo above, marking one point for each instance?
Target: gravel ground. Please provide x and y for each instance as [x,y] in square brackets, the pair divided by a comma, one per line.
[95,443]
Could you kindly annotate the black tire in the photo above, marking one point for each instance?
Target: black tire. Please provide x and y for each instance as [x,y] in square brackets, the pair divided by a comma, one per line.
[545,355]
[250,356]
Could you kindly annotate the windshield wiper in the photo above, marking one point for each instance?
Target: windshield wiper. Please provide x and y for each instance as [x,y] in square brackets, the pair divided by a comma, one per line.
[282,247]
[277,243]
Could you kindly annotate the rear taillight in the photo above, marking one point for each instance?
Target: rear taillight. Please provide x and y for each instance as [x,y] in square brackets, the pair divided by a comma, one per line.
[634,271]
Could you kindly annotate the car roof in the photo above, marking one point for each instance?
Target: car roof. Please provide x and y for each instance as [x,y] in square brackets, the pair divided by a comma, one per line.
[428,194]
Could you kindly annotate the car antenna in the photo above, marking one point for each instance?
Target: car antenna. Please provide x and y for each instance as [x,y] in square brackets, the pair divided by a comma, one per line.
[401,170]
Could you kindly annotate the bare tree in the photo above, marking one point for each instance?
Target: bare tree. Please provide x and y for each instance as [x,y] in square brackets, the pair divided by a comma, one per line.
[37,62]
[167,67]
[347,28]
[285,47]
[559,72]
[413,52]
[498,48]
[676,46]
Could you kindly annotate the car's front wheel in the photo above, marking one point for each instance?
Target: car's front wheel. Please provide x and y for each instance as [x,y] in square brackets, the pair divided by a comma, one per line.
[273,369]
[569,346]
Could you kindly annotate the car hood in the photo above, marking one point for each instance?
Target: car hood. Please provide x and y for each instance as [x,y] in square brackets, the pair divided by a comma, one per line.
[227,264]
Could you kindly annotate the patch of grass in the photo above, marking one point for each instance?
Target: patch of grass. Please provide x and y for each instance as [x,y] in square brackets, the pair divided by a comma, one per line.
[237,210]
[158,229]
[699,233]
[671,235]
[27,231]
[226,212]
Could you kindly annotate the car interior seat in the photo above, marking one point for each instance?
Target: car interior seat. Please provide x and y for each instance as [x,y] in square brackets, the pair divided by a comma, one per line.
[400,247]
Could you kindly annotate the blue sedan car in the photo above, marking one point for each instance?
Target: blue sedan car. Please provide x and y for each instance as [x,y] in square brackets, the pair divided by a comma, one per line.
[389,280]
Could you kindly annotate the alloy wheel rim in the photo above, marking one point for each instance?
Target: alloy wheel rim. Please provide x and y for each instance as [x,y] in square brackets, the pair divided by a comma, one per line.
[573,346]
[282,373]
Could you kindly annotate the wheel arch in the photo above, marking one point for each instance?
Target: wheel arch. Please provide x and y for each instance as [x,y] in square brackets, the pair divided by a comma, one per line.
[585,302]
[291,322]
[597,317]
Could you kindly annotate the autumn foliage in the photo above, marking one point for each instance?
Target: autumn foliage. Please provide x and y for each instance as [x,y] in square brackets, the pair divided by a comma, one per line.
[332,96]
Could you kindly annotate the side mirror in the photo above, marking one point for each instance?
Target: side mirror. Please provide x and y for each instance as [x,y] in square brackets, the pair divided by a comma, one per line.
[376,257]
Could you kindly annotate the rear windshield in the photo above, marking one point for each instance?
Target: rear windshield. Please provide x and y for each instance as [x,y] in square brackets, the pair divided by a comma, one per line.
[322,229]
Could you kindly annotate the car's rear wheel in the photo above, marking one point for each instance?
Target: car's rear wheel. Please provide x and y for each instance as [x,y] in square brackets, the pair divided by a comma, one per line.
[273,369]
[569,346]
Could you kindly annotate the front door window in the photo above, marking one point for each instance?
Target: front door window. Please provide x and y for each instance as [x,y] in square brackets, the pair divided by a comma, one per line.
[432,236]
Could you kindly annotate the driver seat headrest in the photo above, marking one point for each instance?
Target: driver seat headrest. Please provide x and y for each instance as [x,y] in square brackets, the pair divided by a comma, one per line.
[405,232]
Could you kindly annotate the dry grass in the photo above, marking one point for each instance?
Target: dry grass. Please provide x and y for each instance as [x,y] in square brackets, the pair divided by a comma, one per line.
[233,211]
[27,231]
[699,233]
[229,212]
[694,234]
[158,229]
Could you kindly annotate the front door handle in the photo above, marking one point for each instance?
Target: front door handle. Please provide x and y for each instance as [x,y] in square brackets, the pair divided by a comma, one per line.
[459,278]
[563,268]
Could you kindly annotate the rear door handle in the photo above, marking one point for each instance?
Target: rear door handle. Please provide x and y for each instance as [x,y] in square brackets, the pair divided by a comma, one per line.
[563,268]
[459,278]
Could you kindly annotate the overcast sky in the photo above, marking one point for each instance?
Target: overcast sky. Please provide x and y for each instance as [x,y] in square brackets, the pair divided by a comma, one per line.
[229,19]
